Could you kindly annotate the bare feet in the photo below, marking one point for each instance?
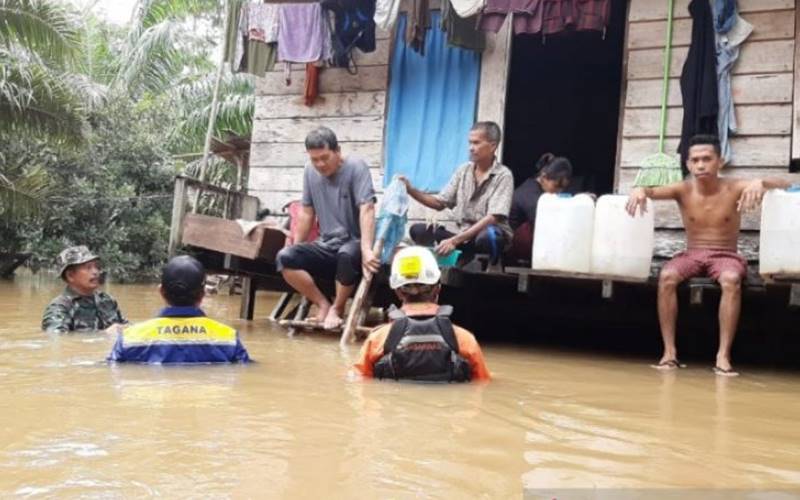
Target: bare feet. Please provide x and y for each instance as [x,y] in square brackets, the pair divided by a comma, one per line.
[322,312]
[332,320]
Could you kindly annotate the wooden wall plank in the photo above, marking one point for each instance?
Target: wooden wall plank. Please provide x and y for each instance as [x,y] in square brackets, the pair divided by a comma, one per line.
[649,10]
[627,175]
[495,63]
[756,57]
[331,80]
[771,88]
[772,25]
[796,108]
[380,56]
[371,103]
[277,154]
[291,178]
[369,128]
[753,120]
[747,151]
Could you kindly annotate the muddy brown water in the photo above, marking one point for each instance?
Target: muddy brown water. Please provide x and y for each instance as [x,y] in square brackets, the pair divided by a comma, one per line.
[298,424]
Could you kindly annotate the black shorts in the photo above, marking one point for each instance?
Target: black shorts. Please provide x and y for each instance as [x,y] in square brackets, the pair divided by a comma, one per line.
[322,261]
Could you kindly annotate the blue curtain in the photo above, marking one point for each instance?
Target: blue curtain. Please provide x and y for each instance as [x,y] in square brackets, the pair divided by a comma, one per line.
[432,102]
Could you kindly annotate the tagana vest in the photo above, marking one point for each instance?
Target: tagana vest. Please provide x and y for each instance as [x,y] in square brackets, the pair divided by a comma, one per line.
[423,349]
[179,340]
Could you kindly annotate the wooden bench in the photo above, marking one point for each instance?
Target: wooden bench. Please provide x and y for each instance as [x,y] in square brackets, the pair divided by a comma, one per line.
[607,282]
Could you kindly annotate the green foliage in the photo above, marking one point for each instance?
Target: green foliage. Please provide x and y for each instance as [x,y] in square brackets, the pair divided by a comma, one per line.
[49,29]
[114,196]
[191,99]
[91,117]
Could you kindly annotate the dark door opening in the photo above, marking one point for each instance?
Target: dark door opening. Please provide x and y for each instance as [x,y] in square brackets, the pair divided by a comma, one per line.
[564,98]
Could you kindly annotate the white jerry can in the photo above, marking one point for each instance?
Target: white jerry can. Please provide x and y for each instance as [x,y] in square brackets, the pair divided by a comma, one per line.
[779,251]
[622,245]
[562,239]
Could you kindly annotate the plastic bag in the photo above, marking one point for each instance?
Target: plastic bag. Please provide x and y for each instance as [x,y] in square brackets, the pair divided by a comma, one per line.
[392,218]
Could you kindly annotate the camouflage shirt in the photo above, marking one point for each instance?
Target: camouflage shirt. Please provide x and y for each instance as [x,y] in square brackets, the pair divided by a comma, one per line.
[73,312]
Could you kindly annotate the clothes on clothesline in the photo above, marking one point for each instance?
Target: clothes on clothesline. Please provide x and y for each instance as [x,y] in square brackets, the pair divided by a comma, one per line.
[461,32]
[546,16]
[386,13]
[303,34]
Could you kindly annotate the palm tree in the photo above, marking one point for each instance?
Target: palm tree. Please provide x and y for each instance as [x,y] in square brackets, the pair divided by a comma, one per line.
[39,39]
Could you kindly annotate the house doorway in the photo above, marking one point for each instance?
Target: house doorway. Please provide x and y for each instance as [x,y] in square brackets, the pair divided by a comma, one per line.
[563,97]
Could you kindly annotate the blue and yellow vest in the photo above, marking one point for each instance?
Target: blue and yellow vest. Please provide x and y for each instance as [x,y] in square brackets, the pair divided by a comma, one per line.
[179,335]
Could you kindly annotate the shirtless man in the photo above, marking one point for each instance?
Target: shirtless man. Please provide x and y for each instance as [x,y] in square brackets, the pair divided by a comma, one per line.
[711,208]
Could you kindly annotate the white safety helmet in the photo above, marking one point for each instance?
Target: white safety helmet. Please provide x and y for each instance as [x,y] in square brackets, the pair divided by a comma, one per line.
[412,266]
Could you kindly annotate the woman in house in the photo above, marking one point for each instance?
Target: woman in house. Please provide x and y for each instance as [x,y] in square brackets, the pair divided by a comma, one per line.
[553,175]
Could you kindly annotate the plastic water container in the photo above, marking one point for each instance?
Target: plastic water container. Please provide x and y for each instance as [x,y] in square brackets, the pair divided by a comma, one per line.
[622,245]
[780,233]
[562,239]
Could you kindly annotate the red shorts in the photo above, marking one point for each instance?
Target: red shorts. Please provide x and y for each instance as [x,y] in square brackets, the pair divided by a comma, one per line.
[707,262]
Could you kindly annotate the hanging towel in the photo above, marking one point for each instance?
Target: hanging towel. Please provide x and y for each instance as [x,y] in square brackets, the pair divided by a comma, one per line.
[699,86]
[386,13]
[303,34]
[467,8]
[461,32]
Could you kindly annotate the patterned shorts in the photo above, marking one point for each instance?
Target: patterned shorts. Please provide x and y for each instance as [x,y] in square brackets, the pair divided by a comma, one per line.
[707,262]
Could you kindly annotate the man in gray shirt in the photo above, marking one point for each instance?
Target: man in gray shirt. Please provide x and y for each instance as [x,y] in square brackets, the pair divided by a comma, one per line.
[479,193]
[339,192]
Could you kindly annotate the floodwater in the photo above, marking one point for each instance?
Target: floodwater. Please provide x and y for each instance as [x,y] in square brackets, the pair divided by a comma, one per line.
[298,424]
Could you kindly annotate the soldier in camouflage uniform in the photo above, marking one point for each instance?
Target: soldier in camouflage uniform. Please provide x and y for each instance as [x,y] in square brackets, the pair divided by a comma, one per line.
[81,306]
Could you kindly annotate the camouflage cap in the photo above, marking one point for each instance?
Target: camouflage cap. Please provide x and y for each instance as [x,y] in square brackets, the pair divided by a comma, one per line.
[73,256]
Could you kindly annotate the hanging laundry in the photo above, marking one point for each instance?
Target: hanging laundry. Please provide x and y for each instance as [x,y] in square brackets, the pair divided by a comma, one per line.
[527,15]
[699,86]
[593,15]
[260,27]
[468,8]
[234,40]
[386,13]
[354,23]
[303,34]
[419,21]
[311,90]
[728,45]
[557,15]
[262,22]
[461,32]
[546,16]
[724,15]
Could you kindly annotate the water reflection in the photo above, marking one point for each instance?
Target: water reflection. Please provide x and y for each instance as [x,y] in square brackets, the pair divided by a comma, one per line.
[298,424]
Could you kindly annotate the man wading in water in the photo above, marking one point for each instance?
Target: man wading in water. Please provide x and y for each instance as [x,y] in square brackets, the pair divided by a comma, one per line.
[711,209]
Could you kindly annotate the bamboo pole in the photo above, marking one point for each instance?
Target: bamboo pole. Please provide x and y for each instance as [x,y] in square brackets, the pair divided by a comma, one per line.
[212,118]
[355,316]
